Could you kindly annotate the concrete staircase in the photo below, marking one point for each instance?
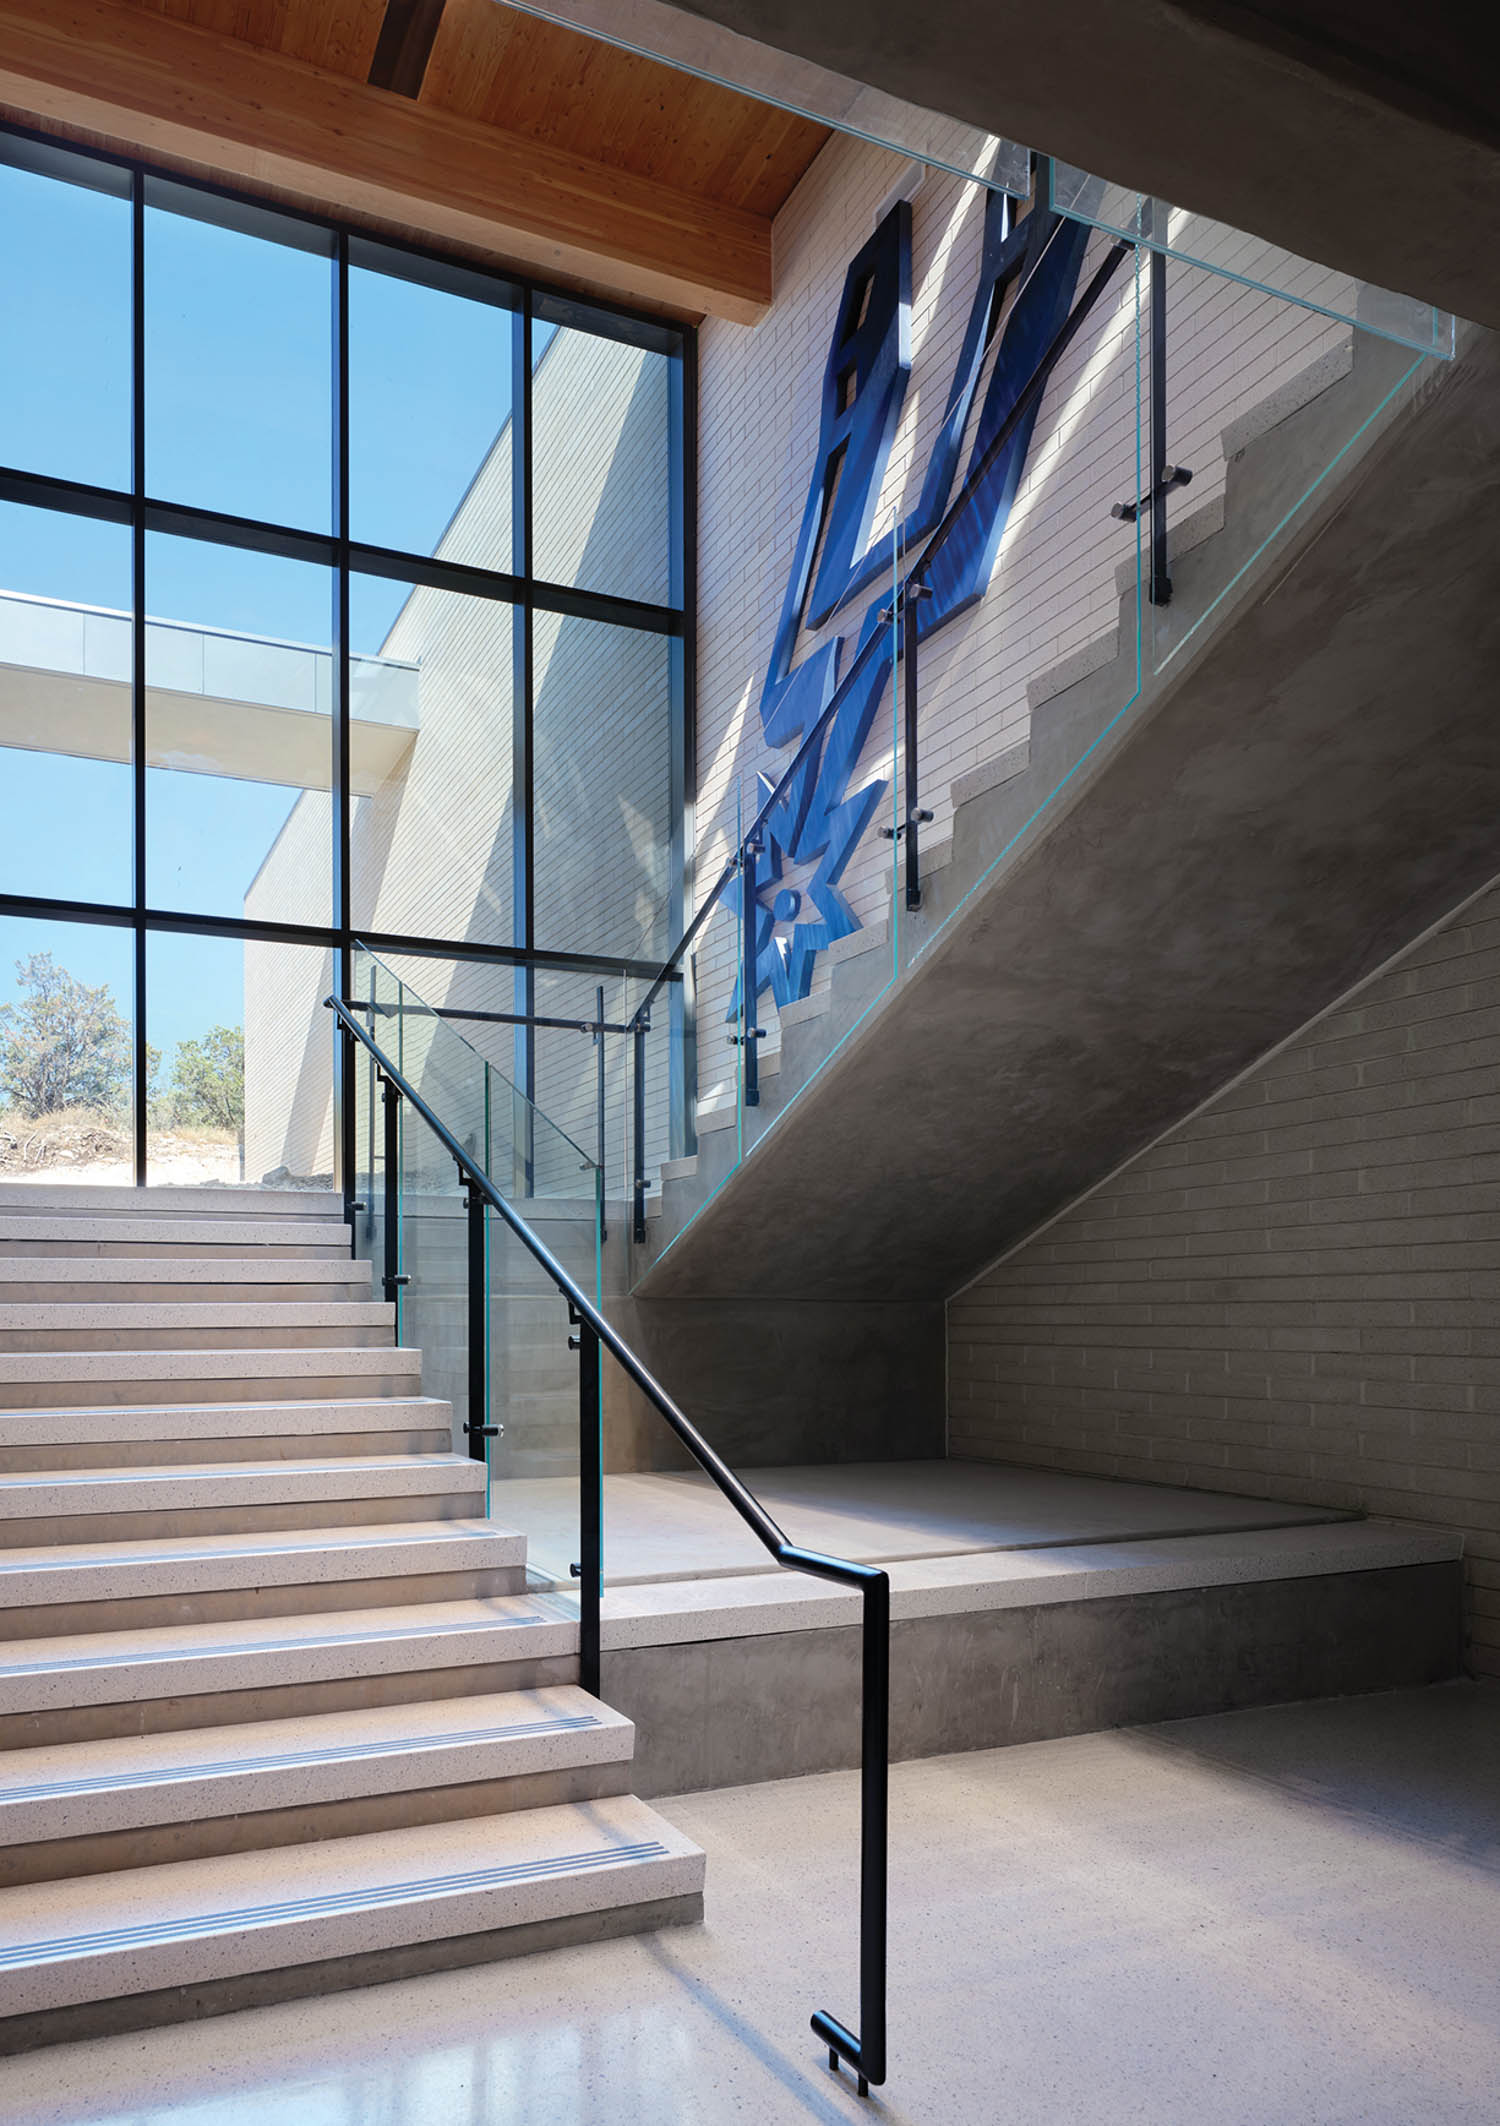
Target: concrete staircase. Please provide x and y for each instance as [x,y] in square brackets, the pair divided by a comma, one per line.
[1287,802]
[278,1714]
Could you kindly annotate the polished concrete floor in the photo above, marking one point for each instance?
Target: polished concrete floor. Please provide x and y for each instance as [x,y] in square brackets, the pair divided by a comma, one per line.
[1276,1918]
[674,1525]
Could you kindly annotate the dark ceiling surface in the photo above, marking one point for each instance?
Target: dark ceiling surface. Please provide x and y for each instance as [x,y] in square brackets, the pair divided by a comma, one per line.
[1364,134]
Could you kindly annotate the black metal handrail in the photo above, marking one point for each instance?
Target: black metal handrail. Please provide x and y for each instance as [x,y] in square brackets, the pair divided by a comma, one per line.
[866,2053]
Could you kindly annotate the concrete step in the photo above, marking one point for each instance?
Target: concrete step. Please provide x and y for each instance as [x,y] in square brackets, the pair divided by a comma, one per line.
[90,1808]
[41,1199]
[230,1498]
[166,1677]
[111,1952]
[199,1325]
[198,1675]
[106,1233]
[109,1436]
[58,1588]
[243,1280]
[35,1379]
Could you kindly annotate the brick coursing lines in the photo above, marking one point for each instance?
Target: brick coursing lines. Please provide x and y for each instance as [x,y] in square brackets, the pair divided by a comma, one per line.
[1296,1293]
[1054,590]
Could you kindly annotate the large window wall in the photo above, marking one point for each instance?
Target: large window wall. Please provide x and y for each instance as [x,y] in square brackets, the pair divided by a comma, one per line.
[344,594]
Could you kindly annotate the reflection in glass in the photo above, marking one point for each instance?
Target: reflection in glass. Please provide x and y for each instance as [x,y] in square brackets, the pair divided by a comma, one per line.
[66,806]
[240,1086]
[239,745]
[65,339]
[601,507]
[602,780]
[431,359]
[431,845]
[66,1052]
[239,359]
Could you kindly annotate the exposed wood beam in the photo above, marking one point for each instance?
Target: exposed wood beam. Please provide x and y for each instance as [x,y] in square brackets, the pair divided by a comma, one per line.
[162,88]
[404,46]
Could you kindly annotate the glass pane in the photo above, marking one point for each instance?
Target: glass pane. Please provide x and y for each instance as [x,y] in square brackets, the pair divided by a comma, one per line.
[601,500]
[239,732]
[65,342]
[602,784]
[240,1052]
[66,1052]
[1249,260]
[432,756]
[431,360]
[66,804]
[239,359]
[1264,400]
[439,1040]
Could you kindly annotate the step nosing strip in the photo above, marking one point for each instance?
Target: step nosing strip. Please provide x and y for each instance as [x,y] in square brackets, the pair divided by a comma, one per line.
[207,1472]
[331,1905]
[292,1760]
[96,1563]
[165,1656]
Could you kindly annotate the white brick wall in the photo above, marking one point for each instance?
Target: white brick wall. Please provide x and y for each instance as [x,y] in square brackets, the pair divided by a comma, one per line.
[1054,586]
[1293,1293]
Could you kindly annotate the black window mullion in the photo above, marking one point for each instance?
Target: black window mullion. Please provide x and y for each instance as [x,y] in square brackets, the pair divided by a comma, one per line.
[523,771]
[343,837]
[138,650]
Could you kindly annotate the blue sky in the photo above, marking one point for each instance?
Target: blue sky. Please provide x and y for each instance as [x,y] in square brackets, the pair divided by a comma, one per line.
[238,367]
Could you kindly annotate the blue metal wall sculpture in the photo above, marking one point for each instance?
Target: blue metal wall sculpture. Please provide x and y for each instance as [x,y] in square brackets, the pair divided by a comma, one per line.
[818,822]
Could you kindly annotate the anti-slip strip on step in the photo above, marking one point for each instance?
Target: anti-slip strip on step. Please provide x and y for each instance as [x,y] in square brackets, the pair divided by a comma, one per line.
[97,1558]
[289,1760]
[383,1897]
[226,1472]
[269,1646]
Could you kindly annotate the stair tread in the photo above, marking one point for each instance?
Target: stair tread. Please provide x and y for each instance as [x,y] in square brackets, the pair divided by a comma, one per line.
[269,1314]
[70,1422]
[144,1565]
[245,1653]
[97,1936]
[179,1229]
[62,1789]
[169,1196]
[182,1269]
[180,1364]
[110,1490]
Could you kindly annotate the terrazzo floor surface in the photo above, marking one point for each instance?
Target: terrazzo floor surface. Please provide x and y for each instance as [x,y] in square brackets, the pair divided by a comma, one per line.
[673,1524]
[1287,1917]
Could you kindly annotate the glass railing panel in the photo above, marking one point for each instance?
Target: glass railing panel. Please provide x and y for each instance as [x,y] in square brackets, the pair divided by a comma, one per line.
[531,1373]
[1250,261]
[1027,650]
[999,504]
[433,1311]
[1267,404]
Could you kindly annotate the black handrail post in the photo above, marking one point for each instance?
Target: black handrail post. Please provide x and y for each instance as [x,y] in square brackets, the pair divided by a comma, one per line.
[348,1129]
[913,815]
[749,968]
[600,1103]
[477,1425]
[874,1835]
[392,1279]
[640,1029]
[591,1508]
[1161,582]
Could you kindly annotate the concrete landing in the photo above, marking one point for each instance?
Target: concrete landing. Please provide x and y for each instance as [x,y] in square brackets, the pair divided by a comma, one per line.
[663,1525]
[1025,1604]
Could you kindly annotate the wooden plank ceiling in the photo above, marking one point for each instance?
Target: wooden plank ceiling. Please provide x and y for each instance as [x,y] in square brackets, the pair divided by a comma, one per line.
[468,122]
